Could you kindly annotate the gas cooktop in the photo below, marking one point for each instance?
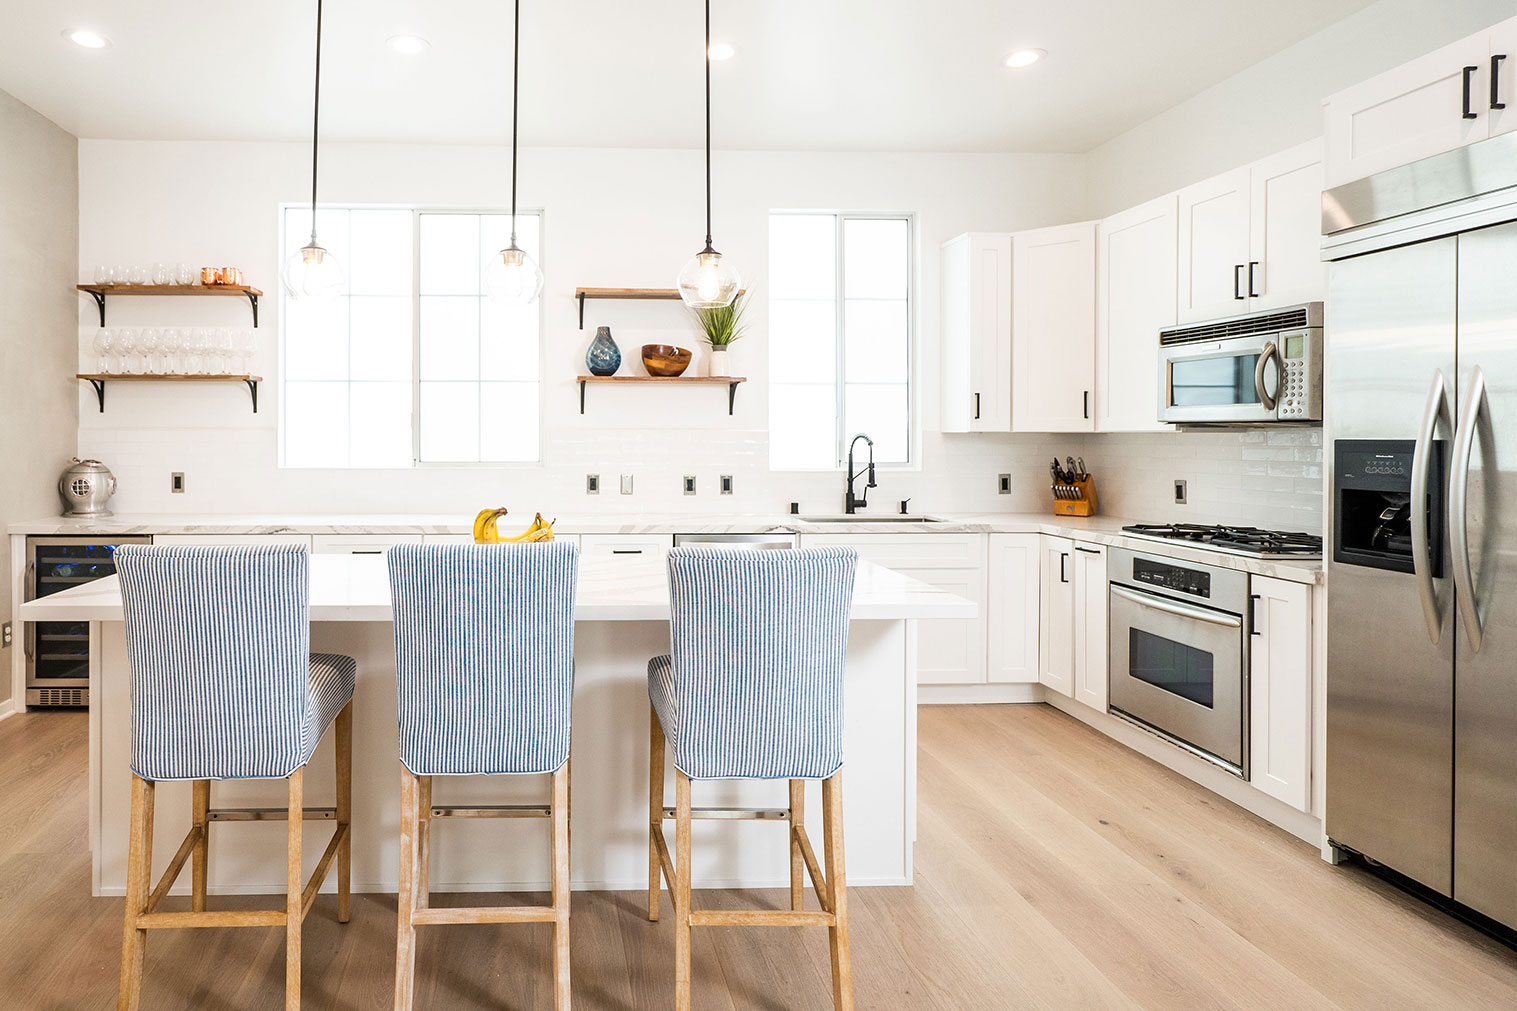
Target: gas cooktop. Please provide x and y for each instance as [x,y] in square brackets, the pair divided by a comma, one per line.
[1234,540]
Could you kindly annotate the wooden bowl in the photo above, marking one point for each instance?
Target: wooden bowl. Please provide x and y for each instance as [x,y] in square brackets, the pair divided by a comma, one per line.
[665,359]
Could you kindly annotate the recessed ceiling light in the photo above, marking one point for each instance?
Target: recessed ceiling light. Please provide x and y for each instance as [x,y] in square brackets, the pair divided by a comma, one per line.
[722,51]
[1025,58]
[86,38]
[408,45]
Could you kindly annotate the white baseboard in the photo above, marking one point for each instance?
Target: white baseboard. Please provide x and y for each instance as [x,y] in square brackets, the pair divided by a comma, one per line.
[978,695]
[7,708]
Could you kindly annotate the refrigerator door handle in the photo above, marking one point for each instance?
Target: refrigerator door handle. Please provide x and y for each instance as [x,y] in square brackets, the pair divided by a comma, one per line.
[1459,486]
[1422,462]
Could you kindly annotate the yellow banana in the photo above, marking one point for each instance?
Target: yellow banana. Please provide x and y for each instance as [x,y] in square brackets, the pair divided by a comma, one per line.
[540,530]
[486,529]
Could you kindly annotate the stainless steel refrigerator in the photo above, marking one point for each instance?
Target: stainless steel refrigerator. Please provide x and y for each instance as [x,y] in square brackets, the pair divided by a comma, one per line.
[1421,421]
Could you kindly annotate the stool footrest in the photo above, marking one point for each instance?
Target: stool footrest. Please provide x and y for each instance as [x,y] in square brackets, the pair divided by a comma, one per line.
[493,811]
[222,918]
[760,918]
[269,814]
[733,814]
[434,915]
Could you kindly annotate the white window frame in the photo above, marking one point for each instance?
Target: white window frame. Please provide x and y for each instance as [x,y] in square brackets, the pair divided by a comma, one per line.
[417,463]
[840,382]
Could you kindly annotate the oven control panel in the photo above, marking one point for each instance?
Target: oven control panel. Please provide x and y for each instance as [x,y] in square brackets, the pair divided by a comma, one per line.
[1194,582]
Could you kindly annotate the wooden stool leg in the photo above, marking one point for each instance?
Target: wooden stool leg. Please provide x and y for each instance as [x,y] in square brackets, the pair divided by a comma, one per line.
[561,1001]
[344,744]
[139,878]
[405,934]
[837,893]
[423,843]
[797,861]
[293,889]
[681,896]
[655,810]
[201,820]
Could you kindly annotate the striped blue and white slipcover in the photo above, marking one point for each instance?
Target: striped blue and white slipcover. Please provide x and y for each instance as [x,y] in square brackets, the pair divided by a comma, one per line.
[754,686]
[484,656]
[224,684]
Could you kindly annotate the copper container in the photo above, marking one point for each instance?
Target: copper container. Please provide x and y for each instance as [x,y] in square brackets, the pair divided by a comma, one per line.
[207,276]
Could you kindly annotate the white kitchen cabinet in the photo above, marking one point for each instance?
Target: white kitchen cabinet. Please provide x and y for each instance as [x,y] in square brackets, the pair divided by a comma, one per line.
[1053,329]
[1413,111]
[1137,283]
[1280,690]
[949,651]
[1285,229]
[628,546]
[1056,622]
[976,336]
[1011,608]
[1214,248]
[1090,625]
[1501,87]
[359,544]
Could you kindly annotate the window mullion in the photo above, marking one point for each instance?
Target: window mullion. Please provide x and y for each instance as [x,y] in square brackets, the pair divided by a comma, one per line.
[840,388]
[415,337]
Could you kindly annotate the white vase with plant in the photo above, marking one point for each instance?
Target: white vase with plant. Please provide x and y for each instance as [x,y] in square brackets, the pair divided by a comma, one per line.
[723,327]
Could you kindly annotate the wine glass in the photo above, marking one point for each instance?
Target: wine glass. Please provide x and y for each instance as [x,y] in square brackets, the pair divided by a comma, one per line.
[162,274]
[104,275]
[183,273]
[121,275]
[226,348]
[126,343]
[247,346]
[104,338]
[170,344]
[147,343]
[198,346]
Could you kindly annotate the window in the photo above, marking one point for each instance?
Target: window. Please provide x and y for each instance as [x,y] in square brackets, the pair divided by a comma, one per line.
[839,337]
[412,364]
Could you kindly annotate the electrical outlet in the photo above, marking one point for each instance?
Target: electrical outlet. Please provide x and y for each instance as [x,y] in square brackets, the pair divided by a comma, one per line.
[1003,484]
[176,482]
[592,484]
[1179,493]
[626,484]
[726,484]
[5,635]
[689,484]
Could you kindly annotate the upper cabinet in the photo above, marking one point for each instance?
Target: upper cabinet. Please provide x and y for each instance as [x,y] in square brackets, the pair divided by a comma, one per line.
[1053,327]
[1136,286]
[976,341]
[1249,239]
[1438,102]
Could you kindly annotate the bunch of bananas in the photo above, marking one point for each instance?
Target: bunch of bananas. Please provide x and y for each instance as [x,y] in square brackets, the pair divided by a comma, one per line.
[486,529]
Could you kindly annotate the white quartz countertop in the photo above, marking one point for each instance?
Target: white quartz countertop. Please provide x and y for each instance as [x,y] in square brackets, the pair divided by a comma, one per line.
[1094,529]
[624,588]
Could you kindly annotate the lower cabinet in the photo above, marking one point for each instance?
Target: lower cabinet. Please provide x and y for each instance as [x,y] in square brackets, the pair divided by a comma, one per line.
[1056,622]
[1280,690]
[1090,625]
[1011,608]
[359,544]
[949,652]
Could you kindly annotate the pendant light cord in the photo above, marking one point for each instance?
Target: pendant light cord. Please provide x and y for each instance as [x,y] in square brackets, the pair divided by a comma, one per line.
[708,124]
[316,123]
[515,90]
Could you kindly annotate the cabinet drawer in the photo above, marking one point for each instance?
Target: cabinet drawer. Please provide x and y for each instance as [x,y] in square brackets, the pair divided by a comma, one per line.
[208,540]
[610,546]
[359,544]
[909,551]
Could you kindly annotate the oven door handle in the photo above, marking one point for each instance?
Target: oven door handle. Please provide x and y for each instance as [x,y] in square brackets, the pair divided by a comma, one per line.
[1422,463]
[1172,607]
[1265,357]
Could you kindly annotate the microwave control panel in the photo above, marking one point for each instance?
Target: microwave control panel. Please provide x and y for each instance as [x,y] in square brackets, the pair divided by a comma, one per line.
[1300,397]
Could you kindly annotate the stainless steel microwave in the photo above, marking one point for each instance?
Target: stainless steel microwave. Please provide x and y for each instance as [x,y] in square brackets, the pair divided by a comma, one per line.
[1243,370]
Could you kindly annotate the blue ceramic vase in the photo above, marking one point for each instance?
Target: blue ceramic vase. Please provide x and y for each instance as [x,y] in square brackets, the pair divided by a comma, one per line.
[604,357]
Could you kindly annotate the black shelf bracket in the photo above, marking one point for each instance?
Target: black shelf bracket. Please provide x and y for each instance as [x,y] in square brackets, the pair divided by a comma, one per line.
[99,384]
[99,297]
[253,383]
[731,398]
[581,382]
[254,299]
[581,326]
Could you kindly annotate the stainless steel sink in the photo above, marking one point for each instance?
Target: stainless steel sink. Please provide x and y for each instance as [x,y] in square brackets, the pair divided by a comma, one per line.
[869,519]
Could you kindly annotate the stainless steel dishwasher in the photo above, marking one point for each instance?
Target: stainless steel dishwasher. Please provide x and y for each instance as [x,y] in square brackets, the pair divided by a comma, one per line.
[780,541]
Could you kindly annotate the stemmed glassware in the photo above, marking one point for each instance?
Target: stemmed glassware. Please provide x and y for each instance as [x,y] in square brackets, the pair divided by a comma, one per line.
[104,339]
[170,343]
[246,347]
[126,344]
[147,343]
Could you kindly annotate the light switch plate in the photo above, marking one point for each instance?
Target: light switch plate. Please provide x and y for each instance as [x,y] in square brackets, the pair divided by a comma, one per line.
[1179,493]
[726,484]
[592,484]
[1003,484]
[5,635]
[626,484]
[689,484]
[176,482]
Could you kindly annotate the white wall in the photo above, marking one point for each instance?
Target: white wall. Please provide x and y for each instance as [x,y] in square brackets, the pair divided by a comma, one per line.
[1277,102]
[38,243]
[613,218]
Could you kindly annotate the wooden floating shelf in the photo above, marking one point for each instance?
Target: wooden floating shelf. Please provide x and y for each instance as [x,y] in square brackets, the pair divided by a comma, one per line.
[99,291]
[627,294]
[99,379]
[728,381]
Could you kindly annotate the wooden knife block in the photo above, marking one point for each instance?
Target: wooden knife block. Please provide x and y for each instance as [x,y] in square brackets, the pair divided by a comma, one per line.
[1085,505]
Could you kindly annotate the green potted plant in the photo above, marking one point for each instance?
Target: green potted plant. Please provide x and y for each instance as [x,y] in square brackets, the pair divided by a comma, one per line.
[723,327]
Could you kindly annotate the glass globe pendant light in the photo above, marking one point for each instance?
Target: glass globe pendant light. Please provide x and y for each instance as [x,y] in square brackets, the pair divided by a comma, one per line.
[511,276]
[708,281]
[312,271]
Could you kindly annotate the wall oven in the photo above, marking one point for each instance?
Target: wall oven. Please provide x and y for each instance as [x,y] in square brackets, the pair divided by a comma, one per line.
[1179,653]
[1263,367]
[58,652]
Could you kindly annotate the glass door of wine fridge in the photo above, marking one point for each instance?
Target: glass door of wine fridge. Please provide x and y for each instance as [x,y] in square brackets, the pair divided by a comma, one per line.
[58,652]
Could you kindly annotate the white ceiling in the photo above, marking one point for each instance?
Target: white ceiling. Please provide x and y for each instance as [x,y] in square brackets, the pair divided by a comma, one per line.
[871,75]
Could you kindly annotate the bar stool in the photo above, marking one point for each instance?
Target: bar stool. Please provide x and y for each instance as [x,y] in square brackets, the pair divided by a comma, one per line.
[753,690]
[484,674]
[224,686]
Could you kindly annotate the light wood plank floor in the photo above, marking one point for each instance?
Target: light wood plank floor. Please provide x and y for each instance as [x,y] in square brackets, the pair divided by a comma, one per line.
[1055,869]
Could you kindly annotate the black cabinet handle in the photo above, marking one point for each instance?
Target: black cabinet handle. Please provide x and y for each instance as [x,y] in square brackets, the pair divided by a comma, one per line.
[1496,103]
[977,407]
[1469,83]
[1063,557]
[1251,265]
[1238,282]
[1086,402]
[1253,614]
[626,551]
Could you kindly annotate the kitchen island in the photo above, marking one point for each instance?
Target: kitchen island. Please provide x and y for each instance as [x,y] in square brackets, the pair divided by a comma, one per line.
[622,616]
